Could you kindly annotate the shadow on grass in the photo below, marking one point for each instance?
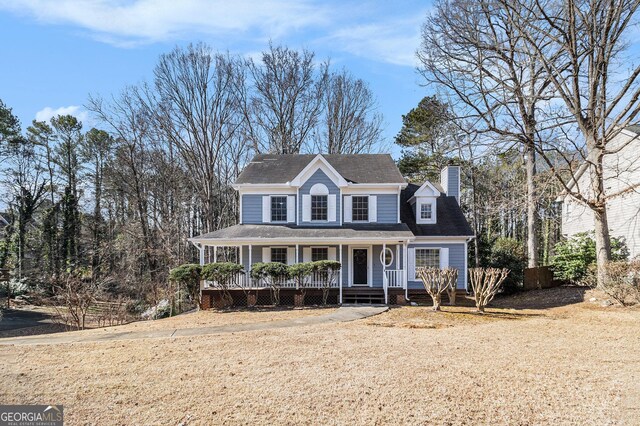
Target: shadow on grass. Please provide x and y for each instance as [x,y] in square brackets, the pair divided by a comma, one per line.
[542,299]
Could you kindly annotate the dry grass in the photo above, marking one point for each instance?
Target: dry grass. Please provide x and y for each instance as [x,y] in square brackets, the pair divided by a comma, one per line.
[575,364]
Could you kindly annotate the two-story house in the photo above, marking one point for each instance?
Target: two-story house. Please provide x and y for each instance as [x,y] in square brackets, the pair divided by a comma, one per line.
[357,209]
[621,167]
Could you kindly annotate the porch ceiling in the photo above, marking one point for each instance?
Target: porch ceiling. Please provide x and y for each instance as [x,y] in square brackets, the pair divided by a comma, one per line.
[257,234]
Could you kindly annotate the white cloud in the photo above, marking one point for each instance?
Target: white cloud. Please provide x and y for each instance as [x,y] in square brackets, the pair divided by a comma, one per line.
[78,112]
[393,42]
[139,21]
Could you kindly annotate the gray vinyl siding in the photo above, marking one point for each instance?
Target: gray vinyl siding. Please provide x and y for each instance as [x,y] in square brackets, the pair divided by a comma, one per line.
[320,177]
[457,257]
[251,208]
[453,182]
[387,208]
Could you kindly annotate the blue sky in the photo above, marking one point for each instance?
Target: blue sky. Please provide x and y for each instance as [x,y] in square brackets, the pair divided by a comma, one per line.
[55,53]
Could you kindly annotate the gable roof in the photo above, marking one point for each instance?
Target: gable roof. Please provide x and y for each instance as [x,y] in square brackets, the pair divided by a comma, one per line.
[354,168]
[451,221]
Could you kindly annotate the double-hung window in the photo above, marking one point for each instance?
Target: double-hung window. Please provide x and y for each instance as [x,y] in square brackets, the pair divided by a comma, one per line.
[278,209]
[426,211]
[427,258]
[319,253]
[319,207]
[279,254]
[360,208]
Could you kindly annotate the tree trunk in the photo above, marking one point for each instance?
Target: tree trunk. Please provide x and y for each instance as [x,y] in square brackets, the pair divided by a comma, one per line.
[532,211]
[436,302]
[601,223]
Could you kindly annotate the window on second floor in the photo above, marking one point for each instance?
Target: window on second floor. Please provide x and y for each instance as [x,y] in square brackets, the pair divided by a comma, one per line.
[279,209]
[426,211]
[427,258]
[279,254]
[319,207]
[360,208]
[319,253]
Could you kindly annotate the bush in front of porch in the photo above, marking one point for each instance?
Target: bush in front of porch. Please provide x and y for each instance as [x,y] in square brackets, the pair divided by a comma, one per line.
[275,274]
[224,273]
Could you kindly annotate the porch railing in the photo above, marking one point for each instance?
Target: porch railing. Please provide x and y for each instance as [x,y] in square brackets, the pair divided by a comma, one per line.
[394,278]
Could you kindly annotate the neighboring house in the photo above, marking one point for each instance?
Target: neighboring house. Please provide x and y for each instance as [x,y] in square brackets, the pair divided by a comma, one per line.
[622,188]
[351,208]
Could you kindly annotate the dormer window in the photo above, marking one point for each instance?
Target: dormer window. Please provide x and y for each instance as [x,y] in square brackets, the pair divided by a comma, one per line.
[360,208]
[426,211]
[319,207]
[279,208]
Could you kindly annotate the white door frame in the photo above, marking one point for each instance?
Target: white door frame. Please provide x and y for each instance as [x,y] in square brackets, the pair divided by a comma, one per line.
[369,265]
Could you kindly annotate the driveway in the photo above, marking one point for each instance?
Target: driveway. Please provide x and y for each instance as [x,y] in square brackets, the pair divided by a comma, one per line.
[14,319]
[342,314]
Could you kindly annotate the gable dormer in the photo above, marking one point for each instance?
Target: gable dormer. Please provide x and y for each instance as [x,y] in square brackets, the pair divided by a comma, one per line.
[425,203]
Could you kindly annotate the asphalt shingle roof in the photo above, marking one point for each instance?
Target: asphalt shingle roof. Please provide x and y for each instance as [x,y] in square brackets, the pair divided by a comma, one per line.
[450,219]
[258,232]
[355,168]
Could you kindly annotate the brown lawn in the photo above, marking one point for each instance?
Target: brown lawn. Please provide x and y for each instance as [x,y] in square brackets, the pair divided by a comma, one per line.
[544,357]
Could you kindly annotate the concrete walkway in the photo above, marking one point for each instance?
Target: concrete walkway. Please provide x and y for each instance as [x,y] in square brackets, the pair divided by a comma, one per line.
[342,314]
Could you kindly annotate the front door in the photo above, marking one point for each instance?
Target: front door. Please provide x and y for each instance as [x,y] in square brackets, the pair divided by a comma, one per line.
[360,266]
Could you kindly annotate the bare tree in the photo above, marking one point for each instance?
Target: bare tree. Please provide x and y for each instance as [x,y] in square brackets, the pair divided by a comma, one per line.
[474,53]
[195,106]
[350,123]
[282,103]
[437,281]
[582,45]
[485,283]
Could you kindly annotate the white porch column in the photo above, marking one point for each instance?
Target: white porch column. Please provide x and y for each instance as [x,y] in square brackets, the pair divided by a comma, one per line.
[341,270]
[297,253]
[384,274]
[405,266]
[215,254]
[201,248]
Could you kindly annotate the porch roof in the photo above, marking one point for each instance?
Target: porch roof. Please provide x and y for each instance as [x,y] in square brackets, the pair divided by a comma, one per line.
[234,235]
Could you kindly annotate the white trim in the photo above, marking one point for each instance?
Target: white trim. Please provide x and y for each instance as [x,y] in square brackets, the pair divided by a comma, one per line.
[426,202]
[341,274]
[369,265]
[288,241]
[291,208]
[306,208]
[240,208]
[312,167]
[373,209]
[385,247]
[266,190]
[441,240]
[266,209]
[466,266]
[332,207]
[420,192]
[347,202]
[298,206]
[359,188]
[398,212]
[319,189]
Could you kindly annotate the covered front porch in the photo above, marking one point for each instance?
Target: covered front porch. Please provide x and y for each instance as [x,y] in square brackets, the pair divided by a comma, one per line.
[374,265]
